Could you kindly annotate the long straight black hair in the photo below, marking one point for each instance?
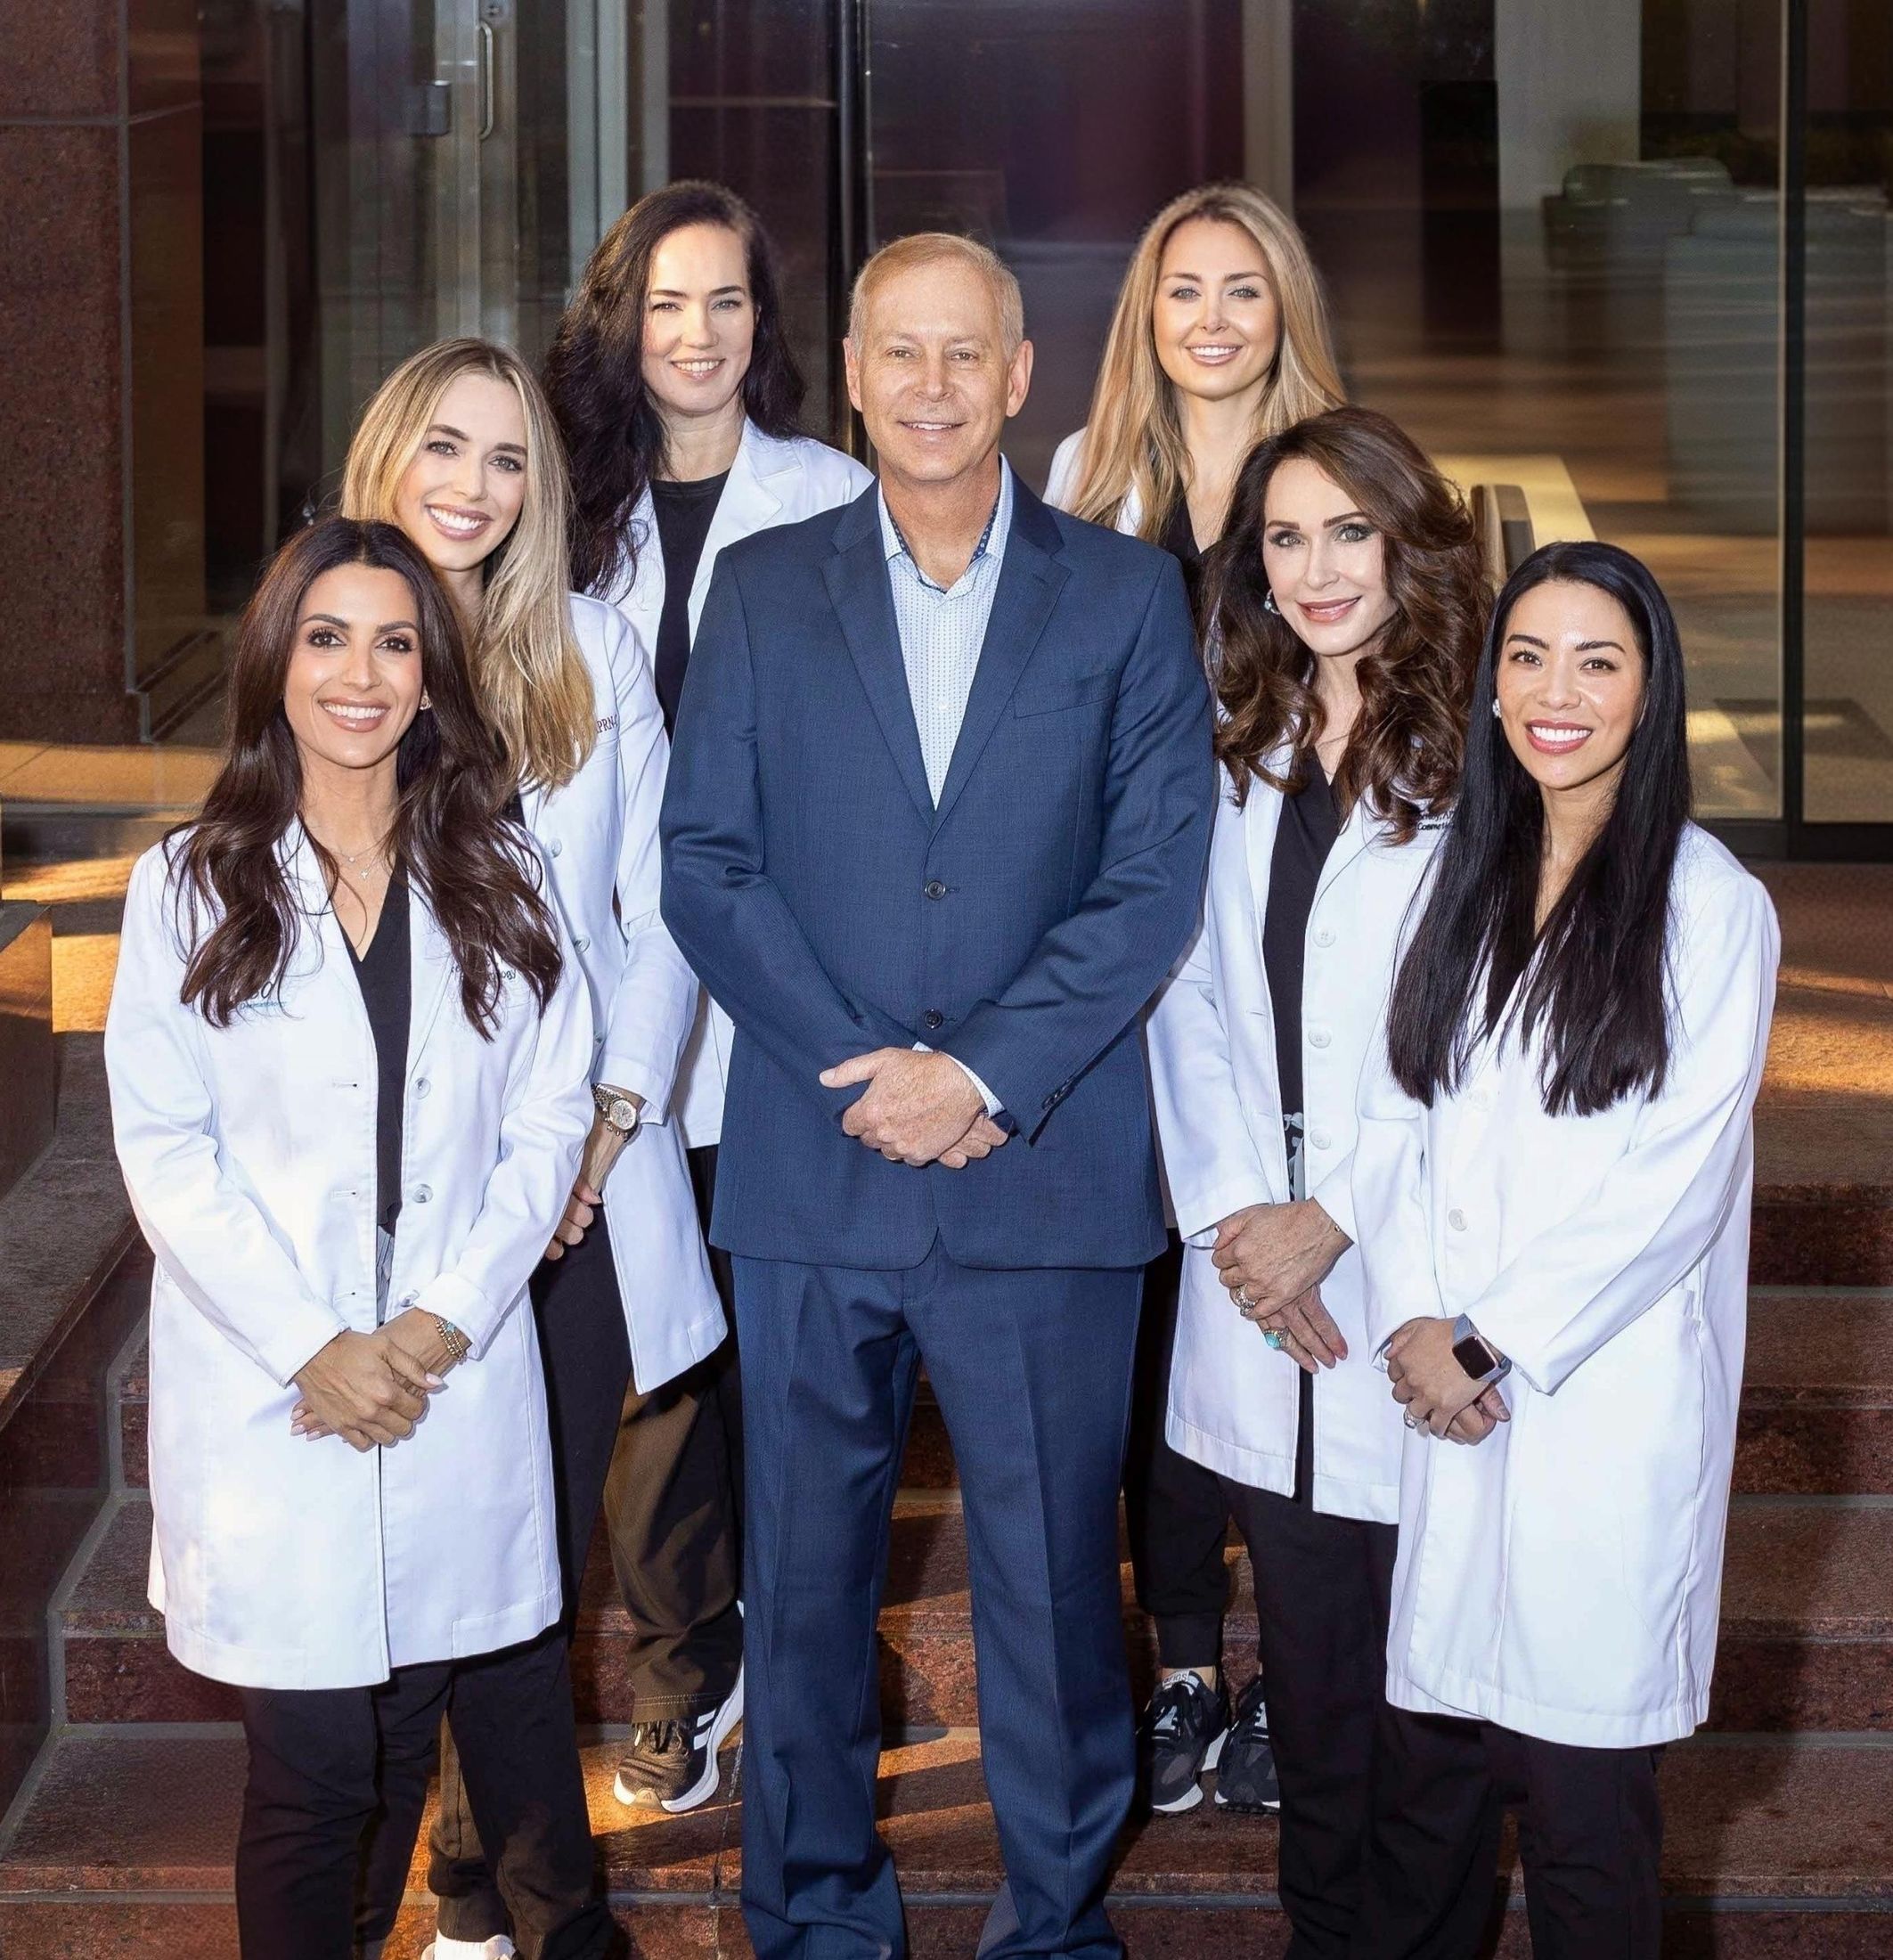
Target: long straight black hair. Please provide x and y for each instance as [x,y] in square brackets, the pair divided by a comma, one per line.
[594,371]
[1595,980]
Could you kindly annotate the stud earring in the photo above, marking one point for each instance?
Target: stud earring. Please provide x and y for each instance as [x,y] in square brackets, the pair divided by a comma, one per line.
[1495,716]
[426,703]
[1269,606]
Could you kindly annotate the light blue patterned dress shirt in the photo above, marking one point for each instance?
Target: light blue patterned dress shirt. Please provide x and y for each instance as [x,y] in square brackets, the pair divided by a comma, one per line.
[942,629]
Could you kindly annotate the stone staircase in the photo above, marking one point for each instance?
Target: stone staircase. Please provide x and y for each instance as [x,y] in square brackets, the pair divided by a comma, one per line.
[1780,1813]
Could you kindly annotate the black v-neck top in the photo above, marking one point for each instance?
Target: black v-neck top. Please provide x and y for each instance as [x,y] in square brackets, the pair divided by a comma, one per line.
[685,511]
[1180,540]
[387,994]
[1304,834]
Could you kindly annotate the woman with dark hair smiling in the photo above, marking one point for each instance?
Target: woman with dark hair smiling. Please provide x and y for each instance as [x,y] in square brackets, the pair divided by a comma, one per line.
[349,1080]
[674,388]
[1551,1189]
[1344,608]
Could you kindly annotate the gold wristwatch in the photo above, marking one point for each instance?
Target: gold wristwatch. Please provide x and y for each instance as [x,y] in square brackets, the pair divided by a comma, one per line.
[617,1109]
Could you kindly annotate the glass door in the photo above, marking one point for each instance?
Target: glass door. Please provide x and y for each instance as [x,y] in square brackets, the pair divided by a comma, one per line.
[442,150]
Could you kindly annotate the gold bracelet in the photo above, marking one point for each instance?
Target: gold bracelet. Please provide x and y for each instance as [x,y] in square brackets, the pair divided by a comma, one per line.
[457,1344]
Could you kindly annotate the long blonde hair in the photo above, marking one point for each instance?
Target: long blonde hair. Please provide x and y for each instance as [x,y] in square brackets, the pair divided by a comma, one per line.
[532,678]
[1133,441]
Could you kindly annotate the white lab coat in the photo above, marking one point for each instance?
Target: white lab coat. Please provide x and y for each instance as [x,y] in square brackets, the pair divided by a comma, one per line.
[1211,1036]
[1061,484]
[250,1154]
[1563,1578]
[599,837]
[772,481]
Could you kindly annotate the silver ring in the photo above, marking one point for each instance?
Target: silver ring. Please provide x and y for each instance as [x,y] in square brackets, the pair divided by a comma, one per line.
[1412,1422]
[1243,1299]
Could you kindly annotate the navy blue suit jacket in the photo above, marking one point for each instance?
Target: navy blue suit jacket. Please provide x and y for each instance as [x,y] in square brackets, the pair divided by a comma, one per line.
[1021,926]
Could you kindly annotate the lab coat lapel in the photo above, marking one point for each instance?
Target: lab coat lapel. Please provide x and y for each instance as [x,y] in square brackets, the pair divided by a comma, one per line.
[749,502]
[431,972]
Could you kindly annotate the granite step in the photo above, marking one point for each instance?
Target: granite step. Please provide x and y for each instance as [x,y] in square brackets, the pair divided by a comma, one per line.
[1816,1405]
[1807,1641]
[1777,1846]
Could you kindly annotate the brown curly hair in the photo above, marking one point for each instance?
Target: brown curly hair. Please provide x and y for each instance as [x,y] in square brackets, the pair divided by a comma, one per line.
[1405,753]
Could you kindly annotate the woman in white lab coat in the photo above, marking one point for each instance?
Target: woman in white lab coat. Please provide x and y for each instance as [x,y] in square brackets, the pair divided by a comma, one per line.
[1220,339]
[676,391]
[1347,602]
[459,448]
[1552,1187]
[347,1064]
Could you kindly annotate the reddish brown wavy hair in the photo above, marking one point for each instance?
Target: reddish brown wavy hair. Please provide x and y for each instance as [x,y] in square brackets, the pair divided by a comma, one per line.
[476,868]
[1406,750]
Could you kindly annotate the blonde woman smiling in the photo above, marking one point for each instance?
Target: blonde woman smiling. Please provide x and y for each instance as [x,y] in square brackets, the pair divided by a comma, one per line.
[1220,339]
[459,448]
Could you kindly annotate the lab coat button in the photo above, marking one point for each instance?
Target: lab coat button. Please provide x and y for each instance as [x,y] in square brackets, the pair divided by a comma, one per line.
[1324,936]
[1319,1037]
[555,847]
[1456,1219]
[1320,1139]
[581,945]
[422,1194]
[422,1086]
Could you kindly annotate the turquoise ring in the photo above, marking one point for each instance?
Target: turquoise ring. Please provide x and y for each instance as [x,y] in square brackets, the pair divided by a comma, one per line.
[1276,1338]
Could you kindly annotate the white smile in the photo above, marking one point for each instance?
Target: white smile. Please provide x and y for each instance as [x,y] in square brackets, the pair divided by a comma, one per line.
[697,369]
[1558,737]
[356,716]
[458,524]
[1213,356]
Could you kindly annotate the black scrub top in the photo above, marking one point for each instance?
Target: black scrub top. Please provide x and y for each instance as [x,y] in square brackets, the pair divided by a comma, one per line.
[1304,834]
[685,511]
[1180,541]
[387,994]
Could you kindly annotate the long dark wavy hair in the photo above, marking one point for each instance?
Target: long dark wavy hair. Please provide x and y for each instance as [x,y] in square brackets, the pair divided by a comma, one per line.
[595,375]
[1595,978]
[1404,754]
[474,866]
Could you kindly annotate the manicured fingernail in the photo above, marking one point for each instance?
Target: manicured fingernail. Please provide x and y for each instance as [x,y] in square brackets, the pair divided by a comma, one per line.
[436,1381]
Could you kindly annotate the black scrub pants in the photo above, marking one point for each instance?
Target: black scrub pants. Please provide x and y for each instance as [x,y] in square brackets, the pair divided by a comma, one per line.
[1590,1834]
[1323,1590]
[662,1464]
[674,1512]
[337,1780]
[1175,1512]
[585,1353]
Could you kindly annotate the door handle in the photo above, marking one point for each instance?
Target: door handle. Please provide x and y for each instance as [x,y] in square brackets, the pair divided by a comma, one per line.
[487,90]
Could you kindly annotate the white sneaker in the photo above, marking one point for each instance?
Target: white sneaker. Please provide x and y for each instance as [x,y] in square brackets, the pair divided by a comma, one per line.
[498,1947]
[673,1765]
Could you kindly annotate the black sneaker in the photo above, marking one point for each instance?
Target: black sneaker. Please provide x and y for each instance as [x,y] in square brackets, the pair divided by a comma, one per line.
[1180,1737]
[672,1766]
[1246,1776]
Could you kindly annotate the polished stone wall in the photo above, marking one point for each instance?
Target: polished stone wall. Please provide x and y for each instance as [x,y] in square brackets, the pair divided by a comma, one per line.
[101,347]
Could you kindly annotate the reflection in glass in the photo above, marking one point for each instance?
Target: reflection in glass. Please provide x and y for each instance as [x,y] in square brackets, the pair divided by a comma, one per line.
[1848,563]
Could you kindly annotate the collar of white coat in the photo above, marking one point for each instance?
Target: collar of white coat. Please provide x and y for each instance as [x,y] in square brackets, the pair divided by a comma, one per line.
[1360,831]
[431,970]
